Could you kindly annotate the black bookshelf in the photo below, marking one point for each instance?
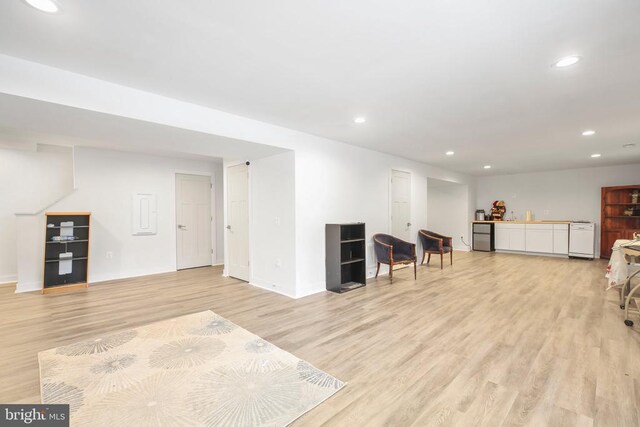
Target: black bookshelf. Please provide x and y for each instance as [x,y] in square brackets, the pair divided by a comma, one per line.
[345,251]
[57,246]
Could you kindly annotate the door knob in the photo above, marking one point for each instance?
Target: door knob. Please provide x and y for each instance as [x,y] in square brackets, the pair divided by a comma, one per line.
[182,227]
[408,224]
[228,227]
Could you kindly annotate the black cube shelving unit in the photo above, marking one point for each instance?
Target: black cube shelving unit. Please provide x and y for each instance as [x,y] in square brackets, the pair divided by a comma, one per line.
[55,248]
[345,257]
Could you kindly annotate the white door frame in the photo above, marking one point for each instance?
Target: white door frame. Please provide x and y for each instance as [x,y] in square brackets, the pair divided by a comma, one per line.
[225,168]
[212,210]
[391,196]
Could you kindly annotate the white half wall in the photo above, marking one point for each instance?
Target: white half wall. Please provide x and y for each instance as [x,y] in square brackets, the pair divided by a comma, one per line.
[106,181]
[447,211]
[572,194]
[29,180]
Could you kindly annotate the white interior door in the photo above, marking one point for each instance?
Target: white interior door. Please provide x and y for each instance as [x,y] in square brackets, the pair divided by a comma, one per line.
[238,221]
[401,204]
[193,217]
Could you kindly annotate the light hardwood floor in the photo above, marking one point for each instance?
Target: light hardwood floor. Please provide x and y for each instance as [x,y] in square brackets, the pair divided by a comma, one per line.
[497,339]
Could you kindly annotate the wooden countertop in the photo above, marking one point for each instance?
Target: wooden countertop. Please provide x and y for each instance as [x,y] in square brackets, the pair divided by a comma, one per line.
[522,222]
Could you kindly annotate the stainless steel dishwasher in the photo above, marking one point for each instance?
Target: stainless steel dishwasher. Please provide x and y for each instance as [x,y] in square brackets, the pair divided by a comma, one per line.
[483,237]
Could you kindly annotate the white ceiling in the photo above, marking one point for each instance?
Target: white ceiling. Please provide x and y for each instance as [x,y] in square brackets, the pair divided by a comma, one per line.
[473,76]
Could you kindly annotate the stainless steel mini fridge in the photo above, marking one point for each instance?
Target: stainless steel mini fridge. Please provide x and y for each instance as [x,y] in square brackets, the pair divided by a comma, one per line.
[483,239]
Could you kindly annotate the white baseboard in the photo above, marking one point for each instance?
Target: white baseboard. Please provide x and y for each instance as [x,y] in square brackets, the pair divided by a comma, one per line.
[384,271]
[28,287]
[11,278]
[37,286]
[106,278]
[310,292]
[310,289]
[271,287]
[500,251]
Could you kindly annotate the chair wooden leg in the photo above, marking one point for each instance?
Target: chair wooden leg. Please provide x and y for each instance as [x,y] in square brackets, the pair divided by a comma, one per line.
[378,270]
[391,273]
[451,256]
[428,259]
[415,270]
[423,255]
[441,258]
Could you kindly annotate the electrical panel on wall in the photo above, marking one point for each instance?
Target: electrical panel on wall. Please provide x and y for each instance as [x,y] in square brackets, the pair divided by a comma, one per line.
[145,214]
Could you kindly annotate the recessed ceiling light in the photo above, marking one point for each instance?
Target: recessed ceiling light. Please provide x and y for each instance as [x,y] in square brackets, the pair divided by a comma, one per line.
[629,145]
[359,120]
[566,61]
[49,6]
[450,153]
[595,155]
[487,166]
[588,132]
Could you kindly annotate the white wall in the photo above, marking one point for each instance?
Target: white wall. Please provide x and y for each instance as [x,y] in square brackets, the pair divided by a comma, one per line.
[29,180]
[447,211]
[557,195]
[338,183]
[272,218]
[334,182]
[105,182]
